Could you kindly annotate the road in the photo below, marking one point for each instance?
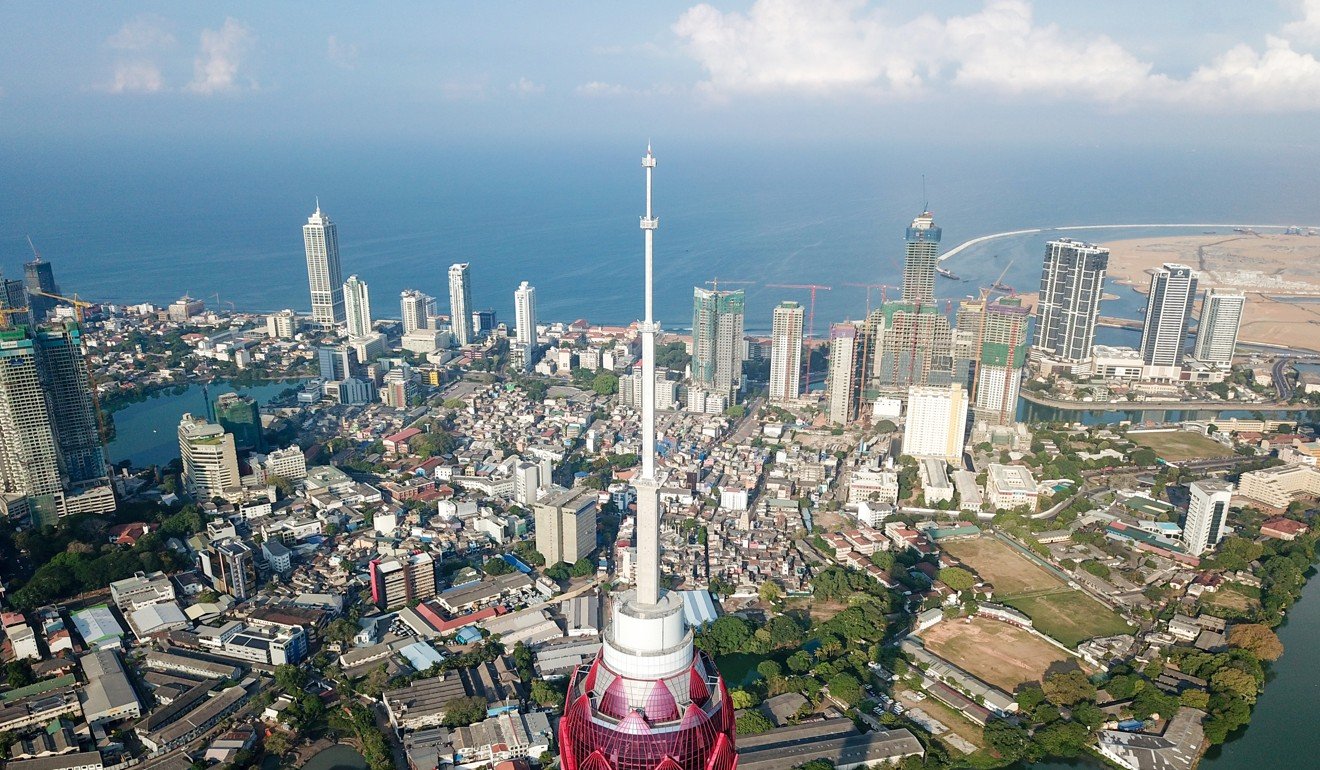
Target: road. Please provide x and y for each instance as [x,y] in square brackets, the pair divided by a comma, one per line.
[1282,385]
[747,424]
[1132,406]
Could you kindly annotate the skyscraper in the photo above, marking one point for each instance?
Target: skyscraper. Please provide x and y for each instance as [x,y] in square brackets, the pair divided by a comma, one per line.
[39,276]
[566,524]
[416,310]
[920,258]
[460,303]
[357,307]
[1207,513]
[1072,282]
[786,352]
[239,415]
[843,356]
[73,413]
[324,278]
[524,313]
[1168,309]
[1217,331]
[29,460]
[210,462]
[717,340]
[1002,354]
[648,700]
[936,422]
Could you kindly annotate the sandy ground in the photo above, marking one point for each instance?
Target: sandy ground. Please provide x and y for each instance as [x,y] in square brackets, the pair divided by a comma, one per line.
[1003,655]
[1010,572]
[1279,273]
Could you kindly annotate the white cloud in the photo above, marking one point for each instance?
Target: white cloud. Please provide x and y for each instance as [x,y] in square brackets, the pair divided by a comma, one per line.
[846,46]
[1305,30]
[525,87]
[136,77]
[147,32]
[598,88]
[343,54]
[218,58]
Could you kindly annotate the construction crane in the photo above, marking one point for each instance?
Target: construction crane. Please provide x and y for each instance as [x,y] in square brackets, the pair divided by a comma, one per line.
[884,296]
[811,313]
[8,311]
[999,284]
[78,307]
[714,283]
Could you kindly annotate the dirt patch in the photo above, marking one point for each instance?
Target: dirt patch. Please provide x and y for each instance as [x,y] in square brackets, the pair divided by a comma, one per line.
[1003,655]
[1009,571]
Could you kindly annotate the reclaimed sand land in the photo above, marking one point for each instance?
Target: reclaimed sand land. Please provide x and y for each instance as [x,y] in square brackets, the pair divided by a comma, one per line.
[1279,273]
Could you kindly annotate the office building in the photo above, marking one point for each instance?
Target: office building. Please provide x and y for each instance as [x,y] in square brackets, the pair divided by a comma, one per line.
[647,663]
[483,322]
[1217,330]
[39,280]
[921,255]
[13,295]
[399,581]
[717,341]
[239,416]
[1168,309]
[524,314]
[282,325]
[460,303]
[230,564]
[1207,514]
[324,278]
[72,410]
[786,352]
[566,525]
[842,408]
[1072,283]
[417,309]
[210,460]
[1001,356]
[334,363]
[184,309]
[936,422]
[357,307]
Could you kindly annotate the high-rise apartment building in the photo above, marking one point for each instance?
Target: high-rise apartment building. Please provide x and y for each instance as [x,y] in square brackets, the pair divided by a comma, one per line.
[29,459]
[416,309]
[399,581]
[1217,330]
[1207,514]
[1001,357]
[357,307]
[13,295]
[324,277]
[282,325]
[786,352]
[39,280]
[717,340]
[73,413]
[460,303]
[524,314]
[843,371]
[914,347]
[1072,283]
[936,422]
[210,461]
[230,564]
[921,256]
[1168,309]
[240,417]
[566,525]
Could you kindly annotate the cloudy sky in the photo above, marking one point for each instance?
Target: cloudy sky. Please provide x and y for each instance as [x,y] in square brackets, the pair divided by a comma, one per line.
[1124,70]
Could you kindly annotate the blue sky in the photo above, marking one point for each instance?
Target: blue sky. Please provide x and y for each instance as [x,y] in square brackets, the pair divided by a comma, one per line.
[1118,70]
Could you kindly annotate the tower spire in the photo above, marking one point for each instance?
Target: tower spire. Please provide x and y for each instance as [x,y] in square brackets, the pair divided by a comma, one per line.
[648,503]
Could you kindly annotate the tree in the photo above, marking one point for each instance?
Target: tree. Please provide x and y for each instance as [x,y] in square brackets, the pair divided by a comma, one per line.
[1235,681]
[727,634]
[582,567]
[770,592]
[1196,699]
[883,559]
[1257,639]
[605,383]
[545,694]
[1068,687]
[957,578]
[18,673]
[816,764]
[743,699]
[1007,738]
[800,662]
[497,566]
[845,687]
[375,682]
[769,669]
[1062,739]
[1142,456]
[461,712]
[558,571]
[752,723]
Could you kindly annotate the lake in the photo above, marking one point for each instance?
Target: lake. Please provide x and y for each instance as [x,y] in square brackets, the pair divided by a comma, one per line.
[146,433]
[338,757]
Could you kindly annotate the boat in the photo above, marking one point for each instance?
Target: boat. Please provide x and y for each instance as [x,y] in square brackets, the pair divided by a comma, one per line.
[1001,286]
[944,272]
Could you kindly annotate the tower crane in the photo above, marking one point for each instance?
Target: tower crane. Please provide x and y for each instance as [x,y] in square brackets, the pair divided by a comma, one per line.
[884,296]
[714,283]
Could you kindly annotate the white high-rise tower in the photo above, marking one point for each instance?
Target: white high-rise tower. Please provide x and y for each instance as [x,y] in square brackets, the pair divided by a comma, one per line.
[321,240]
[460,303]
[524,314]
[416,310]
[1168,308]
[357,307]
[786,353]
[1217,331]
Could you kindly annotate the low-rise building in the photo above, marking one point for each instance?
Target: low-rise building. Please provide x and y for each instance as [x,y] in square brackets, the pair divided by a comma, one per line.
[1008,487]
[1277,487]
[502,738]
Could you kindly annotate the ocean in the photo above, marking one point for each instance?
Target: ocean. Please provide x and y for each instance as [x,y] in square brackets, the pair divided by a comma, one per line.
[129,222]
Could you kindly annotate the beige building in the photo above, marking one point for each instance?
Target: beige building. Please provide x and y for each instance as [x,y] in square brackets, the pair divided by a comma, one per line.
[210,462]
[566,525]
[1279,486]
[1010,486]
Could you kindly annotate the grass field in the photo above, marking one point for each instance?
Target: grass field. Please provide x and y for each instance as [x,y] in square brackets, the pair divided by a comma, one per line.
[1232,599]
[1069,616]
[1009,571]
[1003,655]
[1180,445]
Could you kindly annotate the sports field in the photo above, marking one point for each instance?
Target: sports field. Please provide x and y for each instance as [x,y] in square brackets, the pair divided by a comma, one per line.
[1010,572]
[1179,445]
[1069,616]
[1003,655]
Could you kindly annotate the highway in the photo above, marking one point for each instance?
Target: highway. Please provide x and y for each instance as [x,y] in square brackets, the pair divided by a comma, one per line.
[1132,406]
[1279,373]
[1068,228]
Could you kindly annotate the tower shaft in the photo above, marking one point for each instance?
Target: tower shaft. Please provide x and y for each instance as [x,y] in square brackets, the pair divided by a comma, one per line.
[648,502]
